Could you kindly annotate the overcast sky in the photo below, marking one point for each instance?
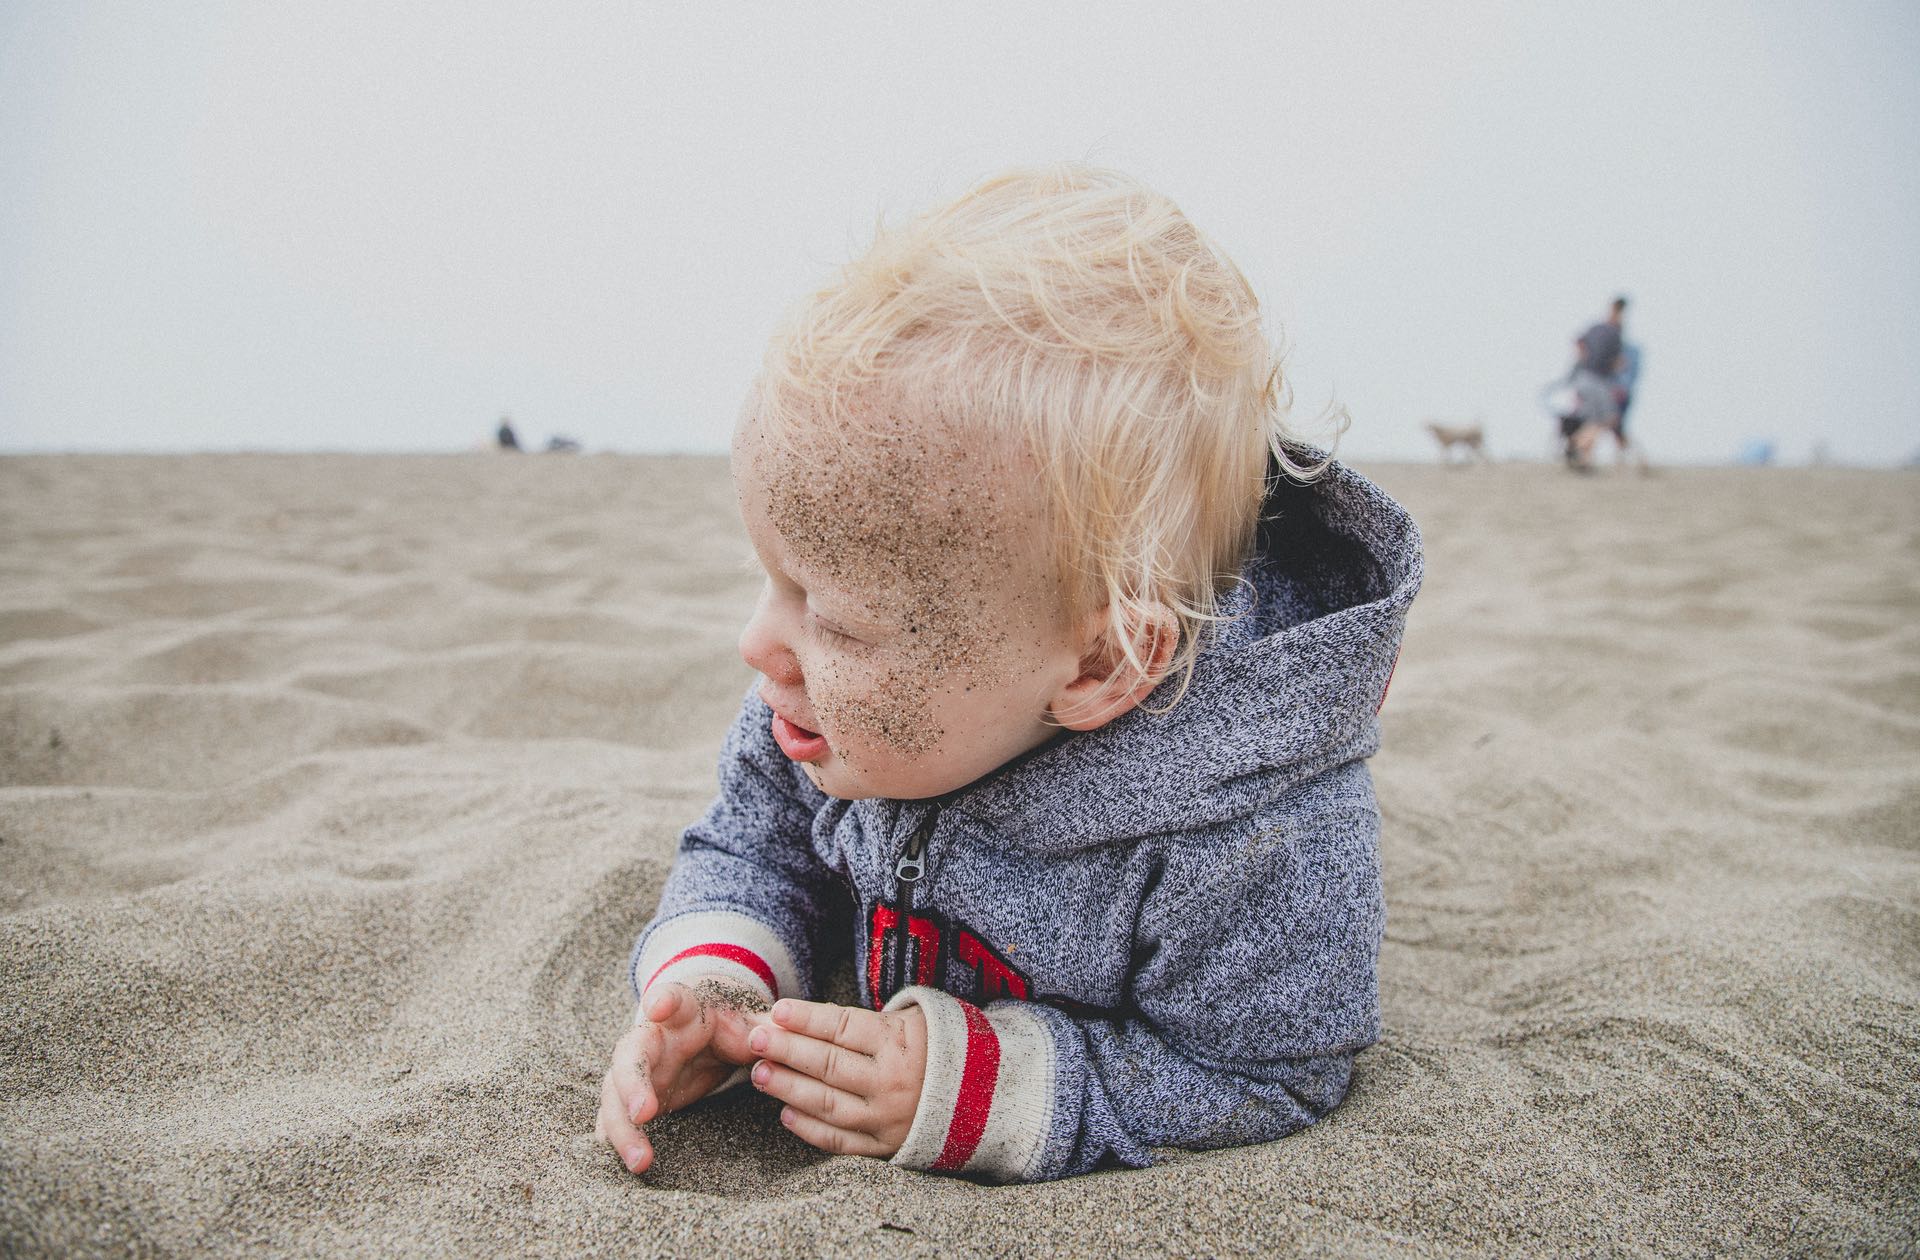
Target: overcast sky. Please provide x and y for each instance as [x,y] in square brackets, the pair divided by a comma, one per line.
[379,226]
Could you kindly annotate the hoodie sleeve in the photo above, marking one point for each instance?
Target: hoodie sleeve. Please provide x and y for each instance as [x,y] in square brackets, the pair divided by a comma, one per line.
[747,894]
[1253,991]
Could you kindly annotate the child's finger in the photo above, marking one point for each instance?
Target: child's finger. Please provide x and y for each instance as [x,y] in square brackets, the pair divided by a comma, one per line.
[628,1142]
[815,1098]
[638,1099]
[847,1026]
[816,1132]
[824,1061]
[631,1075]
[730,1032]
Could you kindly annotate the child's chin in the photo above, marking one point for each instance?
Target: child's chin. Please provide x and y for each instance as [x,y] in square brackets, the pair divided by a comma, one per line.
[836,781]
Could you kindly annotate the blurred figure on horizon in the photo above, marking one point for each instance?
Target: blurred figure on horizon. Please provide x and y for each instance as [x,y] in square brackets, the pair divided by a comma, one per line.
[505,437]
[1595,383]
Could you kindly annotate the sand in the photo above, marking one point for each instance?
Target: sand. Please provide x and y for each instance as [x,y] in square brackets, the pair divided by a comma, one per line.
[334,789]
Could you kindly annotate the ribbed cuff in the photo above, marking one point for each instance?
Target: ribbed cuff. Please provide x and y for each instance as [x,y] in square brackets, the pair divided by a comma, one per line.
[987,1103]
[715,943]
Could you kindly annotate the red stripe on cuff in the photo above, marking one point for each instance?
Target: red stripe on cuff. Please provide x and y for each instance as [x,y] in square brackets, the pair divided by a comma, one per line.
[732,953]
[977,1077]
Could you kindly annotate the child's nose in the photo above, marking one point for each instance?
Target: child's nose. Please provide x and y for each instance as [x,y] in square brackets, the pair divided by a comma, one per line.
[765,649]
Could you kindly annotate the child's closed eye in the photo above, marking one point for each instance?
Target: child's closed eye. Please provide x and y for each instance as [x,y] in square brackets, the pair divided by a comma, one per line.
[831,633]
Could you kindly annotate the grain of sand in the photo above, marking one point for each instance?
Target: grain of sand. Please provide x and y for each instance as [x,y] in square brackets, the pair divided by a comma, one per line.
[333,791]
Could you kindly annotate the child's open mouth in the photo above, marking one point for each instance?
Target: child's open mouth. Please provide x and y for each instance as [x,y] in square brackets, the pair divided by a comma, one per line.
[798,742]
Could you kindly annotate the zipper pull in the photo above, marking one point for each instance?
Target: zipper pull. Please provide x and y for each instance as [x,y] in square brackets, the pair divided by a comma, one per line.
[911,865]
[907,871]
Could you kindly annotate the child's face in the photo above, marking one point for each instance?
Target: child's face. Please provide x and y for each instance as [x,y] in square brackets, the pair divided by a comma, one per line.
[911,636]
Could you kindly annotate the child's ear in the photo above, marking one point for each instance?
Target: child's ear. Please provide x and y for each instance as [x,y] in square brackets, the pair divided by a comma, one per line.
[1109,684]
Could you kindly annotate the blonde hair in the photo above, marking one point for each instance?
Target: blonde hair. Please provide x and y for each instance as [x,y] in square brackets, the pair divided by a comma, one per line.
[1080,312]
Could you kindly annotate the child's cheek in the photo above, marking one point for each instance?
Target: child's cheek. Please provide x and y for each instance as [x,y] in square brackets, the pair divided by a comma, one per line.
[876,706]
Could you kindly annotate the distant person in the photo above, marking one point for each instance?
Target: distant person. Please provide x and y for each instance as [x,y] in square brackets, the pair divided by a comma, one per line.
[506,437]
[1596,406]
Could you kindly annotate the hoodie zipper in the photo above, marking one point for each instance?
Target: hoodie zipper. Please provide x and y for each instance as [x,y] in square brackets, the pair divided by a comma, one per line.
[908,869]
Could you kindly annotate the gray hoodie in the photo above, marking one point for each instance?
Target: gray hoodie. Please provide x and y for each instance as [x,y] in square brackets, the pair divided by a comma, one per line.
[1159,933]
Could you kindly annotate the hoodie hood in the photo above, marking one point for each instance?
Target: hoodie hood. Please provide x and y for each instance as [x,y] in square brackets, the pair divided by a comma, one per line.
[1289,687]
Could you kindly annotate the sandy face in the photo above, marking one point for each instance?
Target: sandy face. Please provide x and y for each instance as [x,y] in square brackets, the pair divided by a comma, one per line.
[922,560]
[917,535]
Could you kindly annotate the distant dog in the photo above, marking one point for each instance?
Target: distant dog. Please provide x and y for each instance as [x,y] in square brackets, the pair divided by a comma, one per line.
[1468,437]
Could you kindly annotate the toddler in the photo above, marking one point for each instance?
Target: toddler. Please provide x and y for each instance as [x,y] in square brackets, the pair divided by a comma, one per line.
[1069,658]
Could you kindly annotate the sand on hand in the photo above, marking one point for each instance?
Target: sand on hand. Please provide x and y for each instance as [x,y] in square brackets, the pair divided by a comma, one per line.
[333,791]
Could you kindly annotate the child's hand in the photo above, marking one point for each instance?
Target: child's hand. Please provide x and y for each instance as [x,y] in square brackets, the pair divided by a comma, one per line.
[685,1042]
[850,1078]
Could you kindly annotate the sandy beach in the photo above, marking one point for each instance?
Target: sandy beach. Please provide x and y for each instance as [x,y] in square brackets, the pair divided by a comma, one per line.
[334,790]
